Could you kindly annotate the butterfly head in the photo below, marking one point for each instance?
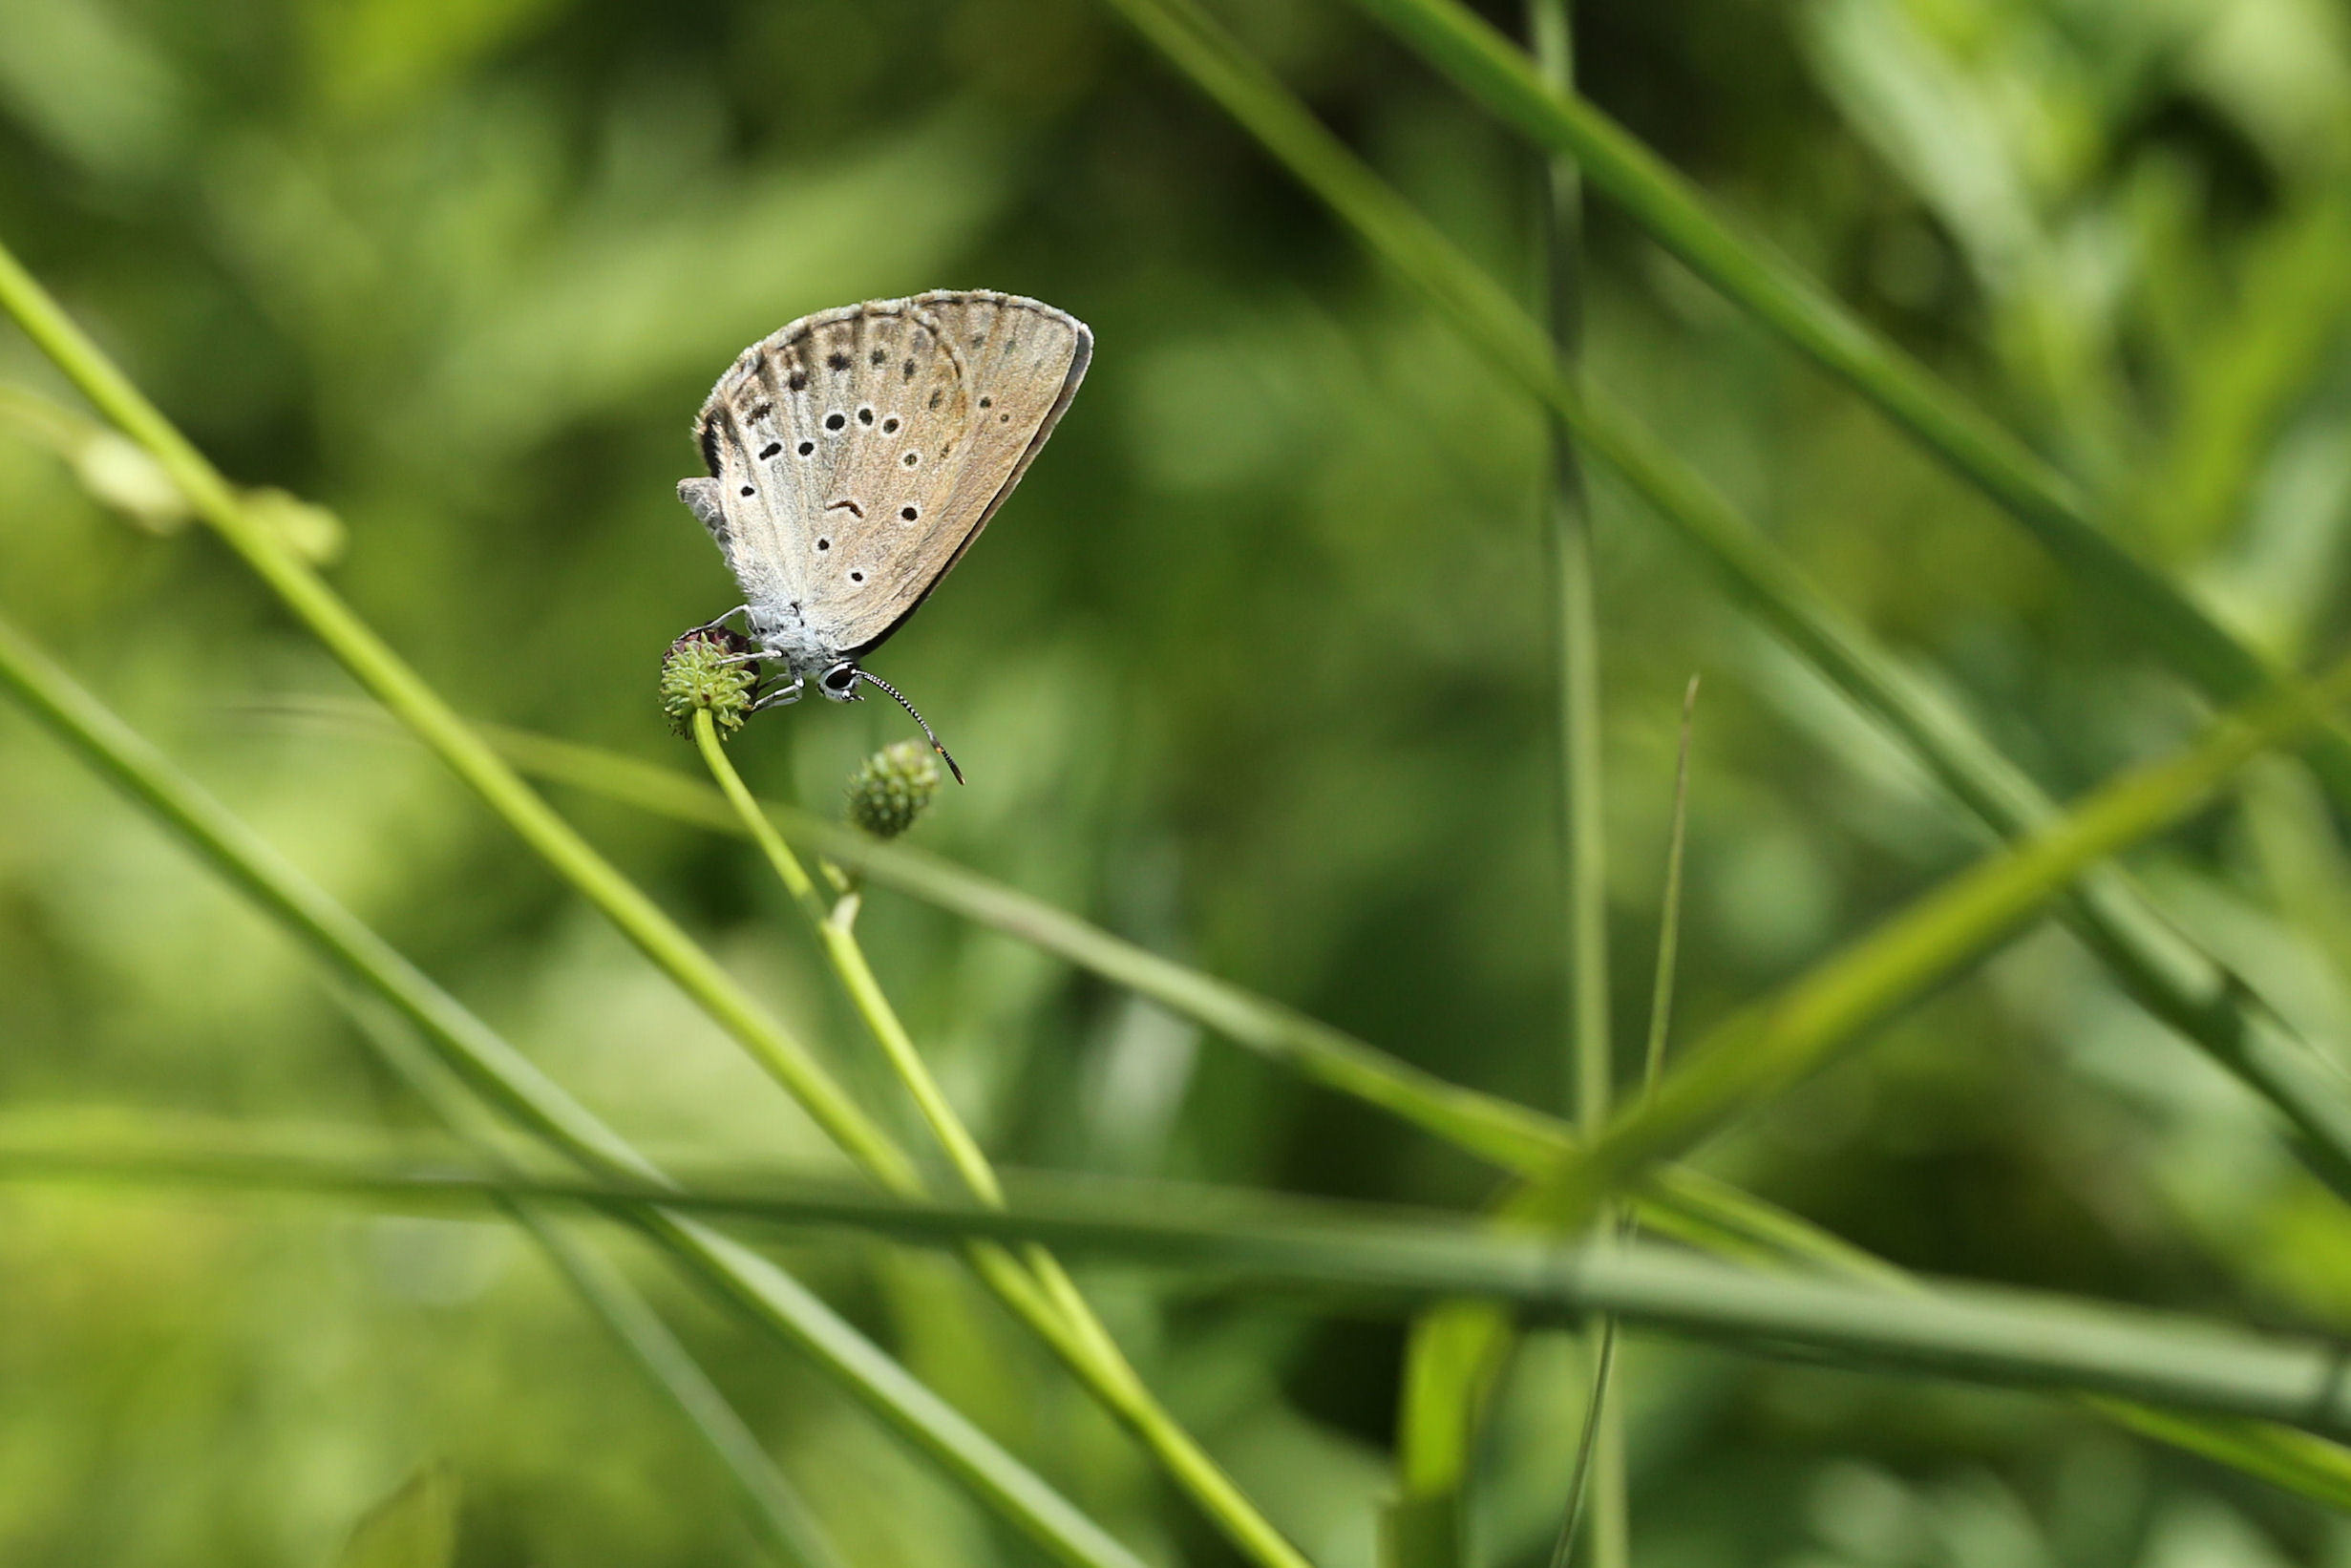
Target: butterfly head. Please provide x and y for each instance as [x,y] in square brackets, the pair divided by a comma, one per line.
[841,682]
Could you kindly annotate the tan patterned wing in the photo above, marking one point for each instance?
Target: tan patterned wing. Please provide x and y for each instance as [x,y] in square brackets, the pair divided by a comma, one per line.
[1022,362]
[836,442]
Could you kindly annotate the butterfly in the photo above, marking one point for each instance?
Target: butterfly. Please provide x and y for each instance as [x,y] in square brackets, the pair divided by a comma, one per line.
[856,454]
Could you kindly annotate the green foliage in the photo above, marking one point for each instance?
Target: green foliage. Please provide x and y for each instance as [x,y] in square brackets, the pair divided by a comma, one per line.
[435,286]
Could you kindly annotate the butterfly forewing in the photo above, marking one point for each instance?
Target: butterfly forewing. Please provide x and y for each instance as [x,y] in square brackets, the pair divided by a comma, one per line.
[832,440]
[1023,361]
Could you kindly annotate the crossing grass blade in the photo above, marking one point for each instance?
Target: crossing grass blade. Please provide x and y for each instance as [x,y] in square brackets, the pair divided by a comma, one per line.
[1356,1253]
[1361,1254]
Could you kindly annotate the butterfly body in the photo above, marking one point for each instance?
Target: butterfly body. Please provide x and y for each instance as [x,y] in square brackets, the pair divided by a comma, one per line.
[856,454]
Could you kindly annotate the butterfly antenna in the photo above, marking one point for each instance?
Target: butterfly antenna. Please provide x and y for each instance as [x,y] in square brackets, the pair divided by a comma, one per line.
[876,680]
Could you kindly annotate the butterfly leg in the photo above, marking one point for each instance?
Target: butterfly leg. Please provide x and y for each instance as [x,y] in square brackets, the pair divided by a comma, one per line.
[782,696]
[719,620]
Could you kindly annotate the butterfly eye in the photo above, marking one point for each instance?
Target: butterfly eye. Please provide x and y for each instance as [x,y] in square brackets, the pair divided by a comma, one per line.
[840,678]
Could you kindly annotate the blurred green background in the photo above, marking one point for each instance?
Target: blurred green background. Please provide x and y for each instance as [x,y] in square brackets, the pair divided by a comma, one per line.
[1255,670]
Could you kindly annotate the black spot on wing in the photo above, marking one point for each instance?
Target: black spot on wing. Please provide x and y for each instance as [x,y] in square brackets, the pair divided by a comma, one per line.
[797,381]
[838,361]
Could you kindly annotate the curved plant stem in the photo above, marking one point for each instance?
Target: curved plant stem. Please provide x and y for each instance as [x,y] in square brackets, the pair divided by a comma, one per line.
[847,958]
[1035,1287]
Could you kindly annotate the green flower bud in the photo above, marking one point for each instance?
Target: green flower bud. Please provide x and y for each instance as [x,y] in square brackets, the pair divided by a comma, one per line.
[892,788]
[696,674]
